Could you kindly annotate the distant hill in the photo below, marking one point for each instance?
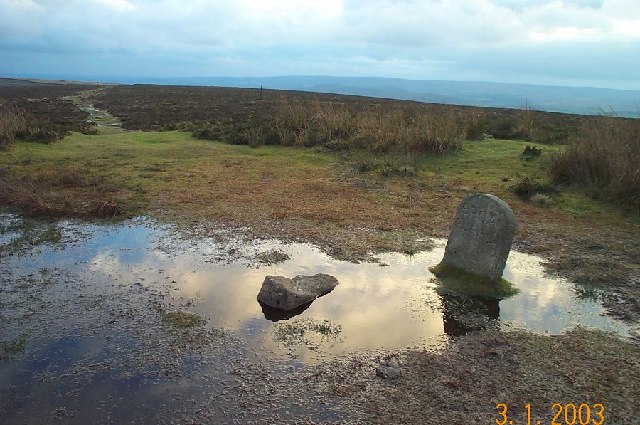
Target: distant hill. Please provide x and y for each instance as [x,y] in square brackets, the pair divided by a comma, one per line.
[577,100]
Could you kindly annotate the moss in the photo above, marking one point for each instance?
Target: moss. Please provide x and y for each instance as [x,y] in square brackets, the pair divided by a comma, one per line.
[182,319]
[459,281]
[308,331]
[13,347]
[272,257]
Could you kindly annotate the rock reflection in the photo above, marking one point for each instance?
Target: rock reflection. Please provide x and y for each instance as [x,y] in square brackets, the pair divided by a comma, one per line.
[276,314]
[463,314]
[375,307]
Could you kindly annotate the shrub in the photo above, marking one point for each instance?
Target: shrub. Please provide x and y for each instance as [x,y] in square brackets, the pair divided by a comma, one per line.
[525,188]
[604,157]
[11,122]
[541,200]
[531,152]
[476,128]
[340,127]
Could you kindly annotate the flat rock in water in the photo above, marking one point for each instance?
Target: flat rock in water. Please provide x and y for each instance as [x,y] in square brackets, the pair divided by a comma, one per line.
[286,294]
[481,236]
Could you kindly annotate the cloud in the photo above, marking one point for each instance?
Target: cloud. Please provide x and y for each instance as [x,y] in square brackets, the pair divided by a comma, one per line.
[117,5]
[20,18]
[405,38]
[408,23]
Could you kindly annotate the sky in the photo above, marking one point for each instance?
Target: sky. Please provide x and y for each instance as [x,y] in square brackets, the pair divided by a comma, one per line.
[592,43]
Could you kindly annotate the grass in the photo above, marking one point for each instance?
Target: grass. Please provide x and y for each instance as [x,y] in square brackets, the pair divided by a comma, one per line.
[13,347]
[148,172]
[181,319]
[315,196]
[464,283]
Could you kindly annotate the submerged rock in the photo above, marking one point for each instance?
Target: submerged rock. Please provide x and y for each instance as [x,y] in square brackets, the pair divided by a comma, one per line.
[389,368]
[283,293]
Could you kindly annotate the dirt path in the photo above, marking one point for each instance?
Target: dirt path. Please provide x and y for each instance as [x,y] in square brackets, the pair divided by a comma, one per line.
[103,120]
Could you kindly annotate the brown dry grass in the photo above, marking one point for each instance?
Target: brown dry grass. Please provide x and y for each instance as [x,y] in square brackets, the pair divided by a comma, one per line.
[605,157]
[11,122]
[62,191]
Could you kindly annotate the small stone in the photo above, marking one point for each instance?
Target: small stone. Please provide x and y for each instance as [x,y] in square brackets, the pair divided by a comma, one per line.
[283,293]
[389,369]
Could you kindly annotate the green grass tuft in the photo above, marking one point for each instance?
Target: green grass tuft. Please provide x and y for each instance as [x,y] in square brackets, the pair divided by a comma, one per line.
[13,347]
[182,319]
[459,281]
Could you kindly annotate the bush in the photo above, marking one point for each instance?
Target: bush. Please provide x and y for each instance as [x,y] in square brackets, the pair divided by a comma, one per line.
[339,127]
[531,152]
[526,188]
[476,128]
[11,122]
[605,158]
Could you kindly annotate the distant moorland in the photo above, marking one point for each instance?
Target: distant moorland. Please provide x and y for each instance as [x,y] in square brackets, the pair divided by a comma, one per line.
[573,100]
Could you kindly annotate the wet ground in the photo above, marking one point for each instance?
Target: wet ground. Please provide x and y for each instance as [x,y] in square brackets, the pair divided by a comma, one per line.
[87,332]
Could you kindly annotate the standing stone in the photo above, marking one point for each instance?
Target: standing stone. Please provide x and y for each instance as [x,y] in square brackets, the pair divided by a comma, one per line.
[481,236]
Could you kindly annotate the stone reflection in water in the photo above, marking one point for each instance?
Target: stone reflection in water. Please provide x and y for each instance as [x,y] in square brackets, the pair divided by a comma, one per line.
[462,314]
[374,307]
[276,314]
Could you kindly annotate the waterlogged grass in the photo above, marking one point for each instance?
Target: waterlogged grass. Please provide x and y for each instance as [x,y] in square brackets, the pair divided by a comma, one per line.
[182,319]
[306,331]
[461,282]
[13,347]
[272,257]
[27,233]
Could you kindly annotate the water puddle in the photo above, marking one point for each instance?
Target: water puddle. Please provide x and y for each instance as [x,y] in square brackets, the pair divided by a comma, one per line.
[386,305]
[85,335]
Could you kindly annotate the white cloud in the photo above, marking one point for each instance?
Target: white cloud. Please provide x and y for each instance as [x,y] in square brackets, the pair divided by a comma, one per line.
[117,5]
[19,18]
[419,23]
[626,28]
[564,34]
[390,37]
